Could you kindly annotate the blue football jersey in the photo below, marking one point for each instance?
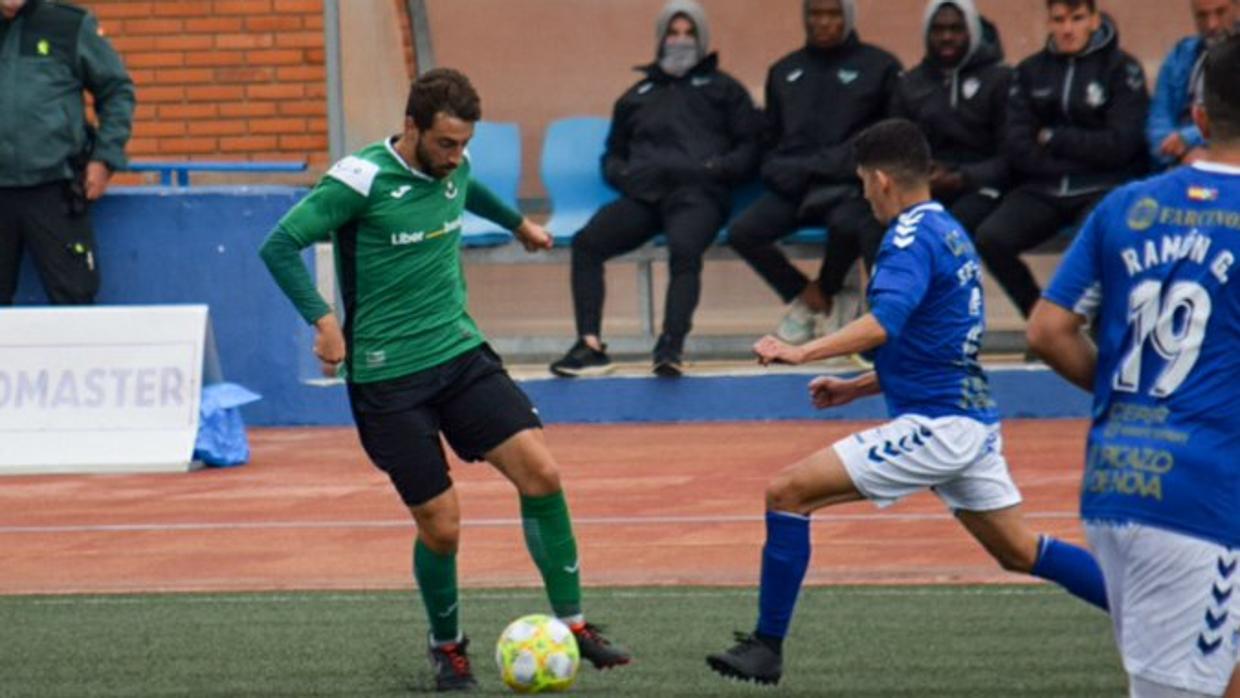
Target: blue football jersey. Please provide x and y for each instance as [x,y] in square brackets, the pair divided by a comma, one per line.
[926,293]
[1154,264]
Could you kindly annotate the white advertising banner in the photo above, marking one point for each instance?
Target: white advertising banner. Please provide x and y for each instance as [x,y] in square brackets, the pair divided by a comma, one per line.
[100,389]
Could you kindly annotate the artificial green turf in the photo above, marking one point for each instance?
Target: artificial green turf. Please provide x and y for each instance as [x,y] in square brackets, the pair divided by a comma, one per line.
[846,641]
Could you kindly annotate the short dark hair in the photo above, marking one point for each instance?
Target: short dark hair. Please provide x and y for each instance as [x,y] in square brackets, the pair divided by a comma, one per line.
[1222,90]
[897,147]
[442,90]
[1091,5]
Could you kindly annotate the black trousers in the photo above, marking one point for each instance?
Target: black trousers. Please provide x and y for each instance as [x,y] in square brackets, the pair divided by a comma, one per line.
[690,219]
[39,219]
[972,208]
[1024,220]
[852,231]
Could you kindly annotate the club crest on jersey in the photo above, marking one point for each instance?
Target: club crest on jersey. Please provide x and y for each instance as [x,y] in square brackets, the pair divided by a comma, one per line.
[848,77]
[450,190]
[1202,194]
[970,88]
[1143,214]
[1095,95]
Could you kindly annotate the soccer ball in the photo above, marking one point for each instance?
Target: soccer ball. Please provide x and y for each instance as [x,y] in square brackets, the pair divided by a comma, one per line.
[537,654]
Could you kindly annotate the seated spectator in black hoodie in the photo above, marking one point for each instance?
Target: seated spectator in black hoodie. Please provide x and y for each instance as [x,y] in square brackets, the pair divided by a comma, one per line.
[817,99]
[958,96]
[1075,130]
[680,138]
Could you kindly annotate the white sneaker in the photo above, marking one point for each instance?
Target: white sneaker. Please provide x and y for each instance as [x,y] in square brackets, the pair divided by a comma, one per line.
[799,324]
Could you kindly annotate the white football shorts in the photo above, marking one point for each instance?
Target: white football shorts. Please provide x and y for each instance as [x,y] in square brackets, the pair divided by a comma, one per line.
[960,459]
[1173,606]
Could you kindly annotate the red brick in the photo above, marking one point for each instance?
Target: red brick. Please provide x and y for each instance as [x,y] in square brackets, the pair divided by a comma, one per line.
[142,146]
[275,23]
[214,93]
[276,91]
[183,8]
[217,128]
[143,112]
[300,40]
[302,73]
[213,25]
[304,142]
[274,57]
[316,90]
[159,128]
[185,76]
[315,56]
[299,6]
[244,75]
[142,77]
[188,111]
[143,59]
[114,10]
[316,125]
[242,7]
[128,44]
[161,94]
[303,108]
[150,26]
[248,109]
[244,40]
[248,143]
[314,21]
[184,42]
[181,146]
[214,58]
[277,126]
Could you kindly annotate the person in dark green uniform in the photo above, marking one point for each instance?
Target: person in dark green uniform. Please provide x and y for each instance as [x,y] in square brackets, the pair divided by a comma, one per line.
[51,163]
[415,361]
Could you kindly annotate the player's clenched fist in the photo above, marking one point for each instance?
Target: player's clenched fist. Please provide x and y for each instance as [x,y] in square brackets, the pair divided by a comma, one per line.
[829,391]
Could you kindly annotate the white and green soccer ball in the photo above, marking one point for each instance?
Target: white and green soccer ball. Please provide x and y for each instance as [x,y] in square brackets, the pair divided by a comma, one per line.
[537,654]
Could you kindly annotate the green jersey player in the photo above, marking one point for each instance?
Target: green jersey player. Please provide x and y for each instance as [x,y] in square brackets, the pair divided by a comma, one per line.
[416,364]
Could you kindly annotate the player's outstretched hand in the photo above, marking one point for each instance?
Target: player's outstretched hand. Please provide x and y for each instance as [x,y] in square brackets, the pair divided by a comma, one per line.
[772,350]
[829,391]
[533,237]
[329,344]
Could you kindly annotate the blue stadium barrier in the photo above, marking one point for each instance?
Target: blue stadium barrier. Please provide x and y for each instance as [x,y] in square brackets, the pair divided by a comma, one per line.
[495,157]
[176,173]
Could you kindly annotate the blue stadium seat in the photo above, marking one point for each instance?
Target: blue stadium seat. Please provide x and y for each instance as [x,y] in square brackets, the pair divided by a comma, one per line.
[572,174]
[495,156]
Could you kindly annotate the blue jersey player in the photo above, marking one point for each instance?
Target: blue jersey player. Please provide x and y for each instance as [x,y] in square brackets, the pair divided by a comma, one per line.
[1156,266]
[925,327]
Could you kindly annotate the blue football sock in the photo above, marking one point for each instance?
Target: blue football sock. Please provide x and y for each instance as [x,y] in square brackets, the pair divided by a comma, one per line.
[784,561]
[1072,568]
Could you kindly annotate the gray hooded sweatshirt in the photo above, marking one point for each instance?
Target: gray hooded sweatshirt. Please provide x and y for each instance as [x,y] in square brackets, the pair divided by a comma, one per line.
[972,20]
[695,13]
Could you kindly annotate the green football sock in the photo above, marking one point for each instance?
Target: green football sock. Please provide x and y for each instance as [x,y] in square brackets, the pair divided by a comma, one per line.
[436,575]
[549,537]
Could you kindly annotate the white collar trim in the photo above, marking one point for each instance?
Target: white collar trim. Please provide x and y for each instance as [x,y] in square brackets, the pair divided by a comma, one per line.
[387,143]
[1216,168]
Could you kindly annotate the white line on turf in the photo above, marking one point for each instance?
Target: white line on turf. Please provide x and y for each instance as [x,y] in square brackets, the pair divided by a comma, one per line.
[389,597]
[491,523]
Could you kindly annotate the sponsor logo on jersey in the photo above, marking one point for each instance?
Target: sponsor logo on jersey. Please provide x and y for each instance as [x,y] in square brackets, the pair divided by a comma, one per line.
[1143,214]
[403,238]
[404,189]
[848,77]
[970,88]
[1202,194]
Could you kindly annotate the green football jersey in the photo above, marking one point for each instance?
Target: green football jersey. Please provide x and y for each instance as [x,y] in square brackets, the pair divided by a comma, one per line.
[396,234]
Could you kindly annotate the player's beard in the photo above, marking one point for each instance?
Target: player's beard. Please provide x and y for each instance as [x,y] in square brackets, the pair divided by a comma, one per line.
[426,163]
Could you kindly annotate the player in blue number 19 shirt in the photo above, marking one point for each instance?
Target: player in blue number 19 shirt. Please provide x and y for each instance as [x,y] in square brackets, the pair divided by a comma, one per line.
[925,327]
[1156,267]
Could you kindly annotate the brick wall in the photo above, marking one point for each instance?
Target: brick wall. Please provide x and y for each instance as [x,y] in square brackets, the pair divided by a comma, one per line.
[223,79]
